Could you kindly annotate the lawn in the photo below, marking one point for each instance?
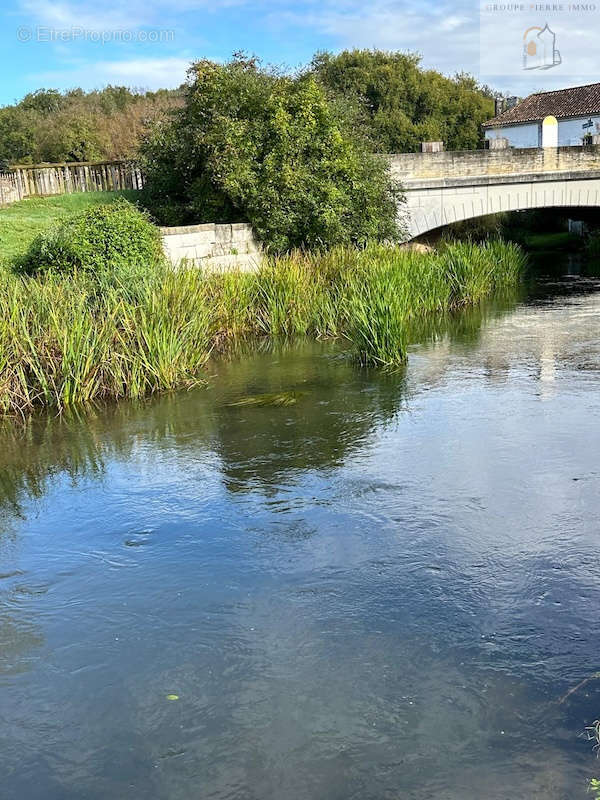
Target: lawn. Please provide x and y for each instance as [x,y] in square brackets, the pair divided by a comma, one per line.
[21,222]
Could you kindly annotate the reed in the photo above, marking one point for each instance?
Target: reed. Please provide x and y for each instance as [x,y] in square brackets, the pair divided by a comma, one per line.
[64,341]
[70,339]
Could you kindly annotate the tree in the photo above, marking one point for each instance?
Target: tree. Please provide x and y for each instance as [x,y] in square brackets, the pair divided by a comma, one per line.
[48,125]
[253,144]
[46,101]
[17,133]
[405,104]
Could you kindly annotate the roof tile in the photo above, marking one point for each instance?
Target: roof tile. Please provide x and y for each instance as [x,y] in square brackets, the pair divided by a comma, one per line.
[579,101]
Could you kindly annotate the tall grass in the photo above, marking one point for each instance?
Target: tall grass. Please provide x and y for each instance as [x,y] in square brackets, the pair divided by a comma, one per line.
[64,340]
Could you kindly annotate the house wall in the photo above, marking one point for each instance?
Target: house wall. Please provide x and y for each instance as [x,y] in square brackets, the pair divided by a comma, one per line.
[527,135]
[570,131]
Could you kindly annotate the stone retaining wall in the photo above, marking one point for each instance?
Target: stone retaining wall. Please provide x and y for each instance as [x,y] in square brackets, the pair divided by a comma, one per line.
[212,246]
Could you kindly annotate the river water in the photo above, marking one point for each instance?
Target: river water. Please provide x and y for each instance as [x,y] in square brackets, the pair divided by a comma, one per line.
[383,590]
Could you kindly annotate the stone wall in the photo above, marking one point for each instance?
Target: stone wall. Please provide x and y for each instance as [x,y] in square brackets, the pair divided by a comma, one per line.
[212,246]
[463,163]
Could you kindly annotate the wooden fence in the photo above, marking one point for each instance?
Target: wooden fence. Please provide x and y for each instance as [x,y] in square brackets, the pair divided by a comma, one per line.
[48,179]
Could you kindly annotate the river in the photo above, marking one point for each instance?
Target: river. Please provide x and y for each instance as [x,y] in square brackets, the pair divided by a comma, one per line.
[382,590]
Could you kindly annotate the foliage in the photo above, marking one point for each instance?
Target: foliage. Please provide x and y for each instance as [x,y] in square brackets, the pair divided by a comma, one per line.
[93,336]
[594,786]
[401,103]
[51,126]
[106,238]
[391,287]
[21,222]
[252,144]
[64,342]
[478,229]
[406,105]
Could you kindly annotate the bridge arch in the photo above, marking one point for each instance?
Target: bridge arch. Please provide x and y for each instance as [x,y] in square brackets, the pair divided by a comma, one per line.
[432,204]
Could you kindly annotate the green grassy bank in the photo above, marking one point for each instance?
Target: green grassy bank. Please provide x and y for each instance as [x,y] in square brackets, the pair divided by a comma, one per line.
[21,222]
[66,339]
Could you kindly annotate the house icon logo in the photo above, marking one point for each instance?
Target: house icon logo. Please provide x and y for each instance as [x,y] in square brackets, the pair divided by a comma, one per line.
[539,48]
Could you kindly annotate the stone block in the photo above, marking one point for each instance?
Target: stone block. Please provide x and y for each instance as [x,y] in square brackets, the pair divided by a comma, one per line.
[222,234]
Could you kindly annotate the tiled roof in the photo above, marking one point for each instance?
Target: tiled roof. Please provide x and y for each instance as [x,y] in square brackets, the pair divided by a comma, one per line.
[580,101]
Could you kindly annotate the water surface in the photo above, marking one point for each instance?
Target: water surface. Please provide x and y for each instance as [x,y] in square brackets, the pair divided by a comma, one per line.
[381,591]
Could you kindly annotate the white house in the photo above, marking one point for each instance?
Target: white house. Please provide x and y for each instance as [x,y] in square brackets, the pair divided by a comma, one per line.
[550,119]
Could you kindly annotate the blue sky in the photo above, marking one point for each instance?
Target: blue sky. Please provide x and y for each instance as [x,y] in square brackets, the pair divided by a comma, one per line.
[148,43]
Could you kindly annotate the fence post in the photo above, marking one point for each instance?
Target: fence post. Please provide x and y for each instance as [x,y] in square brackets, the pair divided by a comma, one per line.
[52,179]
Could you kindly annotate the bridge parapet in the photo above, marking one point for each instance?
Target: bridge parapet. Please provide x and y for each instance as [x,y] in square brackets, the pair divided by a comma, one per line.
[407,167]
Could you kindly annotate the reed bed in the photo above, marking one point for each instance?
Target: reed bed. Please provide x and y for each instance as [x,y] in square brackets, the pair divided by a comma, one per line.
[66,340]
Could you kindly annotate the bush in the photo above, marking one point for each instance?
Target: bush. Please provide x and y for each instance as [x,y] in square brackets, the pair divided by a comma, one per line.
[276,151]
[106,238]
[405,104]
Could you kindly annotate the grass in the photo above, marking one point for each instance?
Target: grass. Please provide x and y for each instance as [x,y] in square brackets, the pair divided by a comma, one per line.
[68,339]
[21,222]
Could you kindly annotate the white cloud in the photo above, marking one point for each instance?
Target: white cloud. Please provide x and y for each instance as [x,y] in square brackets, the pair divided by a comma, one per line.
[446,35]
[89,16]
[145,73]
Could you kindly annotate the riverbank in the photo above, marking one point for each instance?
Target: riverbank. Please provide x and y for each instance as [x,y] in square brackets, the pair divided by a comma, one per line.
[23,221]
[71,339]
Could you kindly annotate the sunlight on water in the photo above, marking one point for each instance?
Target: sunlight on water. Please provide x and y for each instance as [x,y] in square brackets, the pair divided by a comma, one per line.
[380,590]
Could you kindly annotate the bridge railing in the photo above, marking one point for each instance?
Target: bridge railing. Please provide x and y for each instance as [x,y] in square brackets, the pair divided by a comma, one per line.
[478,163]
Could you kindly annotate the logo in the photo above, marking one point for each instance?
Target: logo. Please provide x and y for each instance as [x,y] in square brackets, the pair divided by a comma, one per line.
[539,48]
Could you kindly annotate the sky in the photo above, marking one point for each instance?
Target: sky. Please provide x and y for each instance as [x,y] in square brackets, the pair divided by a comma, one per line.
[148,44]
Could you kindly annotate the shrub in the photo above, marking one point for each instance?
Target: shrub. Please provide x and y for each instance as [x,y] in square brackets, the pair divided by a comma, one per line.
[405,104]
[106,238]
[252,144]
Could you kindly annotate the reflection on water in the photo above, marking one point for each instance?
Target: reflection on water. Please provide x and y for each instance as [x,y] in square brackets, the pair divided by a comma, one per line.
[379,591]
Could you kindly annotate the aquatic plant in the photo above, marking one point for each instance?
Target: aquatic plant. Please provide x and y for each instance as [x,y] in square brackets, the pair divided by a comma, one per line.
[64,340]
[270,399]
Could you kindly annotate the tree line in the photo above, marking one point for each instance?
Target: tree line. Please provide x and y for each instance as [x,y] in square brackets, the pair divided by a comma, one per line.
[397,103]
[299,156]
[52,126]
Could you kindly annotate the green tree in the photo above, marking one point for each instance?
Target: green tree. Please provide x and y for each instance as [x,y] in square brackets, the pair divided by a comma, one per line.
[405,104]
[17,135]
[48,125]
[45,101]
[251,143]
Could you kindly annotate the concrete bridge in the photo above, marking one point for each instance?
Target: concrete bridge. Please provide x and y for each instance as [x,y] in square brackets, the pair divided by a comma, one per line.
[447,187]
